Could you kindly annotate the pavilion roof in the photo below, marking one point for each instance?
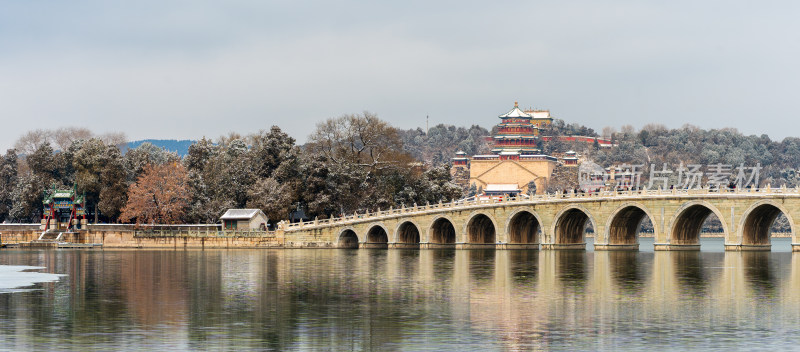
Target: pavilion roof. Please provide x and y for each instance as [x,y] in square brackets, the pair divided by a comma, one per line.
[501,187]
[515,113]
[239,214]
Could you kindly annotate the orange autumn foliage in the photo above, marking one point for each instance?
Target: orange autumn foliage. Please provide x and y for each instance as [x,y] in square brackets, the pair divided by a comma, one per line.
[159,196]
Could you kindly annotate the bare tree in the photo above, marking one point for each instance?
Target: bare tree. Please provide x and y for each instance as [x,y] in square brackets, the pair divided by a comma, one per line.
[655,127]
[608,131]
[363,140]
[114,138]
[63,137]
[31,140]
[628,129]
[230,137]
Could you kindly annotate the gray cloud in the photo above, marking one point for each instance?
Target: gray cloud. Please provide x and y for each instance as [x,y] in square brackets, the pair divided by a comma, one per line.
[186,69]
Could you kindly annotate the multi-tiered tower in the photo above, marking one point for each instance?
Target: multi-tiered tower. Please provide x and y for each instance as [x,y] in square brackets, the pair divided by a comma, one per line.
[515,164]
[516,135]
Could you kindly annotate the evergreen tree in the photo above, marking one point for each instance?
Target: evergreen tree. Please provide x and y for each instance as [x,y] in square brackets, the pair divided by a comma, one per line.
[8,181]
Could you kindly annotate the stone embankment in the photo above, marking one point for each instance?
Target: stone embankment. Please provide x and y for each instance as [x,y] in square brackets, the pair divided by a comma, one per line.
[132,236]
[172,236]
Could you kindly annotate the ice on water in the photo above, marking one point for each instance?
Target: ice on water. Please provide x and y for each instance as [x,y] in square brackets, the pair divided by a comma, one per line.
[13,277]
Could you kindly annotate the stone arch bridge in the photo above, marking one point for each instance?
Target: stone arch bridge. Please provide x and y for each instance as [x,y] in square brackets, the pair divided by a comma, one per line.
[559,221]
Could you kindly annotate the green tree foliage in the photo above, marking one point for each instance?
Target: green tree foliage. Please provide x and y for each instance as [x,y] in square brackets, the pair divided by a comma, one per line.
[315,183]
[443,141]
[272,197]
[27,198]
[560,128]
[138,158]
[359,163]
[114,187]
[42,173]
[224,181]
[100,174]
[234,174]
[691,145]
[8,180]
[531,188]
[197,159]
[269,150]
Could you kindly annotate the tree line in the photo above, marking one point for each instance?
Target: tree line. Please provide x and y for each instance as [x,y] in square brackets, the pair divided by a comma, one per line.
[657,144]
[353,163]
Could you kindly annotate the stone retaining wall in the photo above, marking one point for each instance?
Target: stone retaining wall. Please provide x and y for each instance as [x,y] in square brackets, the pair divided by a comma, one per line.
[129,236]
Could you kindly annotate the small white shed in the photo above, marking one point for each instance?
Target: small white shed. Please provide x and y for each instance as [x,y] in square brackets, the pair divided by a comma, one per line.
[244,219]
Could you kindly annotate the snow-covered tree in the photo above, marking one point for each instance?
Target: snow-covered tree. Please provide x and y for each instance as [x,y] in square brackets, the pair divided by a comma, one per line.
[136,159]
[8,180]
[272,197]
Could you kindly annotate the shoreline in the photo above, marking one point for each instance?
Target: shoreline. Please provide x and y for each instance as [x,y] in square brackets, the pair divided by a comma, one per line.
[177,236]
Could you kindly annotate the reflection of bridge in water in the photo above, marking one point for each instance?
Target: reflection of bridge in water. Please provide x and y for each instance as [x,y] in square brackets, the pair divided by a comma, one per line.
[559,222]
[593,295]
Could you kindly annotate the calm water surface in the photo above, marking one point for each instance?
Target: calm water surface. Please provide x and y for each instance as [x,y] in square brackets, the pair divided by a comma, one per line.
[320,299]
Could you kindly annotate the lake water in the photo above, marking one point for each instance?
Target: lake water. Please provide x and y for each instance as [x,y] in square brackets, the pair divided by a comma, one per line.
[325,299]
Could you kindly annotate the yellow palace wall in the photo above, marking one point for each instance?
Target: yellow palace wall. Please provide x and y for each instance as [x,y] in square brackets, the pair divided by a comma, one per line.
[519,172]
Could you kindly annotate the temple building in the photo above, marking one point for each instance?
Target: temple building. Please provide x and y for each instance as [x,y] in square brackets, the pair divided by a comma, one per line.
[516,134]
[63,210]
[516,163]
[570,159]
[539,118]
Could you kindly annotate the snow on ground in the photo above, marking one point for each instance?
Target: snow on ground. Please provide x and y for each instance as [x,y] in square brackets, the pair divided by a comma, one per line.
[13,277]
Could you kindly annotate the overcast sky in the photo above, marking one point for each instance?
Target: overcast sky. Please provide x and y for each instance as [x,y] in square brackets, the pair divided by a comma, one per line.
[188,69]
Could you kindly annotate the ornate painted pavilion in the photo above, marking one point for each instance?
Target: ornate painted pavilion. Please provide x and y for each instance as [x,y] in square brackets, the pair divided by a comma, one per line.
[64,209]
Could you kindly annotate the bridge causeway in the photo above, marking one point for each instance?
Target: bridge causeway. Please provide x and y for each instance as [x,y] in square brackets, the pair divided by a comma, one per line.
[558,221]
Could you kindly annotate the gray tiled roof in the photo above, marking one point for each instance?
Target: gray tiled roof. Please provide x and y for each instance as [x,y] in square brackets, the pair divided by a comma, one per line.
[233,214]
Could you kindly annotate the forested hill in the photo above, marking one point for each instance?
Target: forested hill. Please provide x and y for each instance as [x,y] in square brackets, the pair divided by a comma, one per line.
[656,144]
[442,142]
[652,144]
[178,146]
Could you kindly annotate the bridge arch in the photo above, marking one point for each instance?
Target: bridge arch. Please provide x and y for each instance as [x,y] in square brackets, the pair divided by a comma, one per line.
[480,229]
[685,225]
[407,232]
[442,231]
[757,220]
[523,226]
[347,238]
[570,225]
[377,236]
[622,227]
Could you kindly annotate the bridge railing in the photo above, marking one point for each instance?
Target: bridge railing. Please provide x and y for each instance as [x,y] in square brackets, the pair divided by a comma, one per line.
[478,201]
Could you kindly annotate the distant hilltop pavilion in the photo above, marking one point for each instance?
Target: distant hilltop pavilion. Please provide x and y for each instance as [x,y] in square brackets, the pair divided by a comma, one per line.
[516,162]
